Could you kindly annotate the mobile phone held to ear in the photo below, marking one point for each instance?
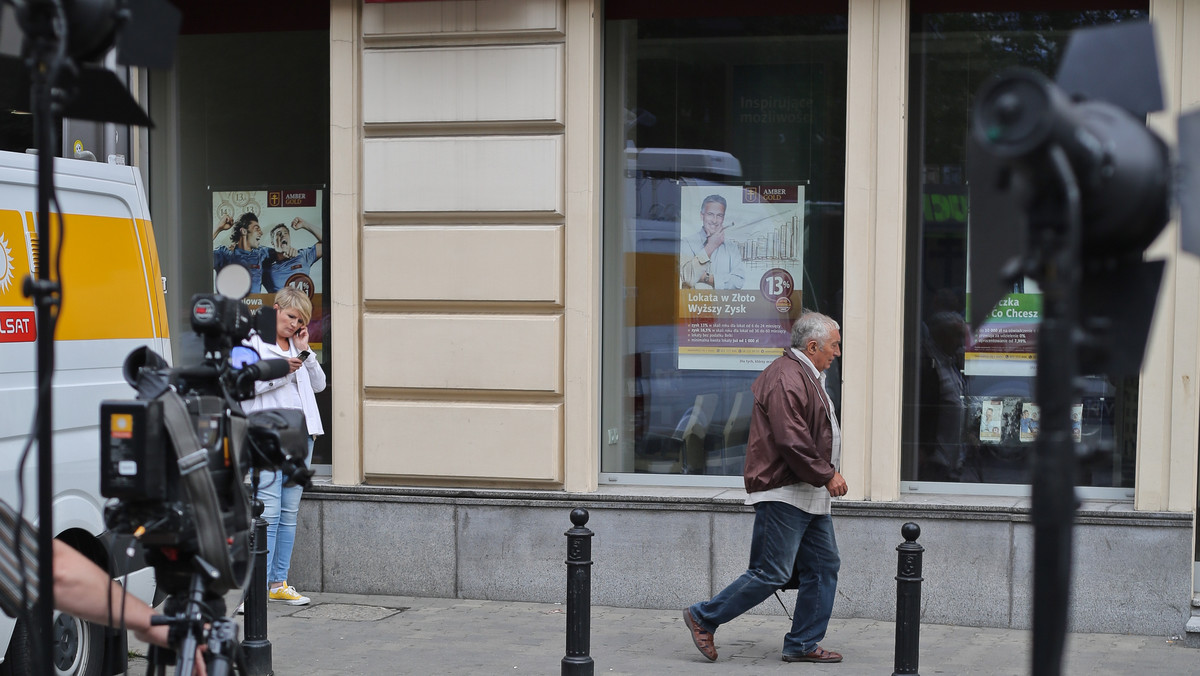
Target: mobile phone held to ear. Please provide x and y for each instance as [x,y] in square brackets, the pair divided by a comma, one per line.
[303,355]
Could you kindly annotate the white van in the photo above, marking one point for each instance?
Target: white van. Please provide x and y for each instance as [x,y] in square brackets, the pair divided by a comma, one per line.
[112,302]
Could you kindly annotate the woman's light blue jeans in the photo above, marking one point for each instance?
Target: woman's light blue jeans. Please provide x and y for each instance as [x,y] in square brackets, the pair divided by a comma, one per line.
[281,507]
[783,537]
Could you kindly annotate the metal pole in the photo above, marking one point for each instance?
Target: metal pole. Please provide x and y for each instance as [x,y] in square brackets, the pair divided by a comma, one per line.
[579,597]
[48,57]
[256,648]
[1053,491]
[908,601]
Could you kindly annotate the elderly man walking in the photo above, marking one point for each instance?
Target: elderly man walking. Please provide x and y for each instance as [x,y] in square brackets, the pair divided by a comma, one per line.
[791,474]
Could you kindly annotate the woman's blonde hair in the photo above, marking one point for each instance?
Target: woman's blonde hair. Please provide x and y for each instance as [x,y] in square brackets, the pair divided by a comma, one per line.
[289,297]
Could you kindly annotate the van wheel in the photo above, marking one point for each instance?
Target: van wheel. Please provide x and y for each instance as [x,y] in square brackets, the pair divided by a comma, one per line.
[78,649]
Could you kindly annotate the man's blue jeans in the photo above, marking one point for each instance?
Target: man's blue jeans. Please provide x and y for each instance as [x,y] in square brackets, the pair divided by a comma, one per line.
[783,537]
[281,507]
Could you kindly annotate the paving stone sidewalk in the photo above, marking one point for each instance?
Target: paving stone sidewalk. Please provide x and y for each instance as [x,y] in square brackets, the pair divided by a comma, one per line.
[346,634]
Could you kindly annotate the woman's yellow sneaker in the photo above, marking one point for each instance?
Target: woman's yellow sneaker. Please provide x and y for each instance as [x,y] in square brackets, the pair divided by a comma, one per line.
[288,594]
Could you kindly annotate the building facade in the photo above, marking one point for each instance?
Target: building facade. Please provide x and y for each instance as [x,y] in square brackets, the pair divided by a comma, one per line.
[509,190]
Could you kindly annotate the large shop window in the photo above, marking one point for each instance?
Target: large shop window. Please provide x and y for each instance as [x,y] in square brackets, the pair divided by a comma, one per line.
[724,179]
[970,418]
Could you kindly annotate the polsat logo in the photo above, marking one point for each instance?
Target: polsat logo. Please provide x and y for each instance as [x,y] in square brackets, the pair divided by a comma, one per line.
[8,271]
[16,326]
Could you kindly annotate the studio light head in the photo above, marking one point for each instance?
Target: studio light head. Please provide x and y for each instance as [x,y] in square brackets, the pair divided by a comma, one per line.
[1093,114]
[1123,168]
[1016,113]
[143,32]
[91,27]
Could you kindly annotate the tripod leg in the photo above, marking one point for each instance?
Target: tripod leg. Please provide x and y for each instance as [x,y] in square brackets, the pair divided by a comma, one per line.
[239,660]
[158,659]
[222,647]
[185,658]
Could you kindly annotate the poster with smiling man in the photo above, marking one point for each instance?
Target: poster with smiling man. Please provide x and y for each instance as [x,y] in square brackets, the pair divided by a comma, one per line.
[741,252]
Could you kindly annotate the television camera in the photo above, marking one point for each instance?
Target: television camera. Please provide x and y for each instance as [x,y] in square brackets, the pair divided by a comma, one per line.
[174,460]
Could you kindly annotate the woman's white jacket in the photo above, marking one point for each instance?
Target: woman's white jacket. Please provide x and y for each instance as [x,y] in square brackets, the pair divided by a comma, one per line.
[304,384]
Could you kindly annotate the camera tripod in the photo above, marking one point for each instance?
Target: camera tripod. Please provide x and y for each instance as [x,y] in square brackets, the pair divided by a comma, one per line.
[190,618]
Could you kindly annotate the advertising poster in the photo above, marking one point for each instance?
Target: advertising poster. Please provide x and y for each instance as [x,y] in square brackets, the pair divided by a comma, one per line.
[1006,344]
[741,252]
[276,234]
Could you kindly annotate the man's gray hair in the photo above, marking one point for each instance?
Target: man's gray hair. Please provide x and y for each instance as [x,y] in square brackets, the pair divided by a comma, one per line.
[714,198]
[813,326]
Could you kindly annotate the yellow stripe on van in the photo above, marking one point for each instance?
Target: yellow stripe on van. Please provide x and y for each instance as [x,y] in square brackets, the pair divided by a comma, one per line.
[150,248]
[104,283]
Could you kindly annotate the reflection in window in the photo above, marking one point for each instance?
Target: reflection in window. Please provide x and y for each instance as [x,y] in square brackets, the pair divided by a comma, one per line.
[969,412]
[724,181]
[16,131]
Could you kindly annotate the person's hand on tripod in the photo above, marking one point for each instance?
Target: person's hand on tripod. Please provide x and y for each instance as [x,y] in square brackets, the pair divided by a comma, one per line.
[79,589]
[158,635]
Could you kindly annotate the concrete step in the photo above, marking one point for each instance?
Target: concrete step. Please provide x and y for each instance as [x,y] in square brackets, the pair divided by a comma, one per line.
[1191,635]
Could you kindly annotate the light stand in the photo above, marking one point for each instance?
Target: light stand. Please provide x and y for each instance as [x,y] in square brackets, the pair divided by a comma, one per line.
[47,58]
[1069,187]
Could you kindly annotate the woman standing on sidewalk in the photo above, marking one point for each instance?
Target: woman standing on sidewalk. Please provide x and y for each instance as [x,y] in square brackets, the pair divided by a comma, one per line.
[297,391]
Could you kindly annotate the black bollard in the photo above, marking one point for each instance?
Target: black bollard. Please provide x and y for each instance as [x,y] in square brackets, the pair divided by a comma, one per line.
[579,597]
[908,600]
[256,649]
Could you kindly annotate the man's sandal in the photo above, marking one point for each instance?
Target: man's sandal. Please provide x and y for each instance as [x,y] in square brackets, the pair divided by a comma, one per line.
[818,654]
[703,639]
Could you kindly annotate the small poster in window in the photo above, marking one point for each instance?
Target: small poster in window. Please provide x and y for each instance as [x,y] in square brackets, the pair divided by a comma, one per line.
[991,421]
[1077,422]
[1030,420]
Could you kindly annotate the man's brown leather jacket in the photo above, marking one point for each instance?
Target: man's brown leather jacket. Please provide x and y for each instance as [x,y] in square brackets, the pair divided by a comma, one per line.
[791,439]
